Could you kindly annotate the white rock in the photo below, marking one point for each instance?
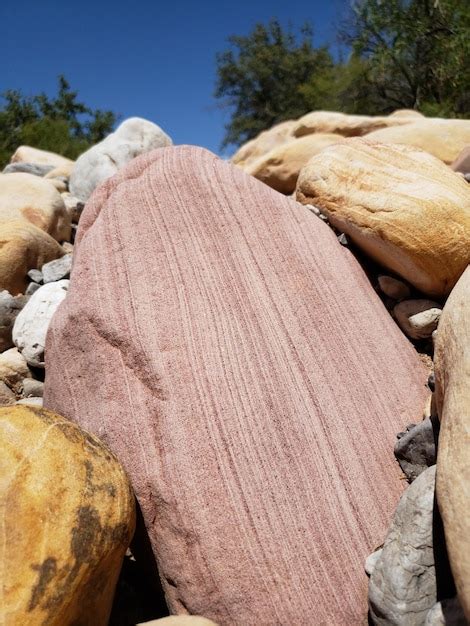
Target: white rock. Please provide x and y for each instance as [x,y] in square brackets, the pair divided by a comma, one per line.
[30,328]
[371,561]
[133,137]
[33,401]
[418,319]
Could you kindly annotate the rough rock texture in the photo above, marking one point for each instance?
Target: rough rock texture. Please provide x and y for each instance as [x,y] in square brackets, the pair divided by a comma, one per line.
[407,113]
[343,124]
[28,197]
[403,207]
[280,167]
[57,269]
[462,162]
[67,519]
[13,369]
[452,371]
[416,448]
[62,171]
[7,396]
[23,247]
[26,154]
[180,620]
[417,318]
[240,387]
[263,143]
[10,306]
[446,613]
[30,328]
[442,138]
[402,586]
[133,137]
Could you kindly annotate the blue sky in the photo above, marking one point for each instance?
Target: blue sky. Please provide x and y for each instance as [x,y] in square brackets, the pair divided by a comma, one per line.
[151,59]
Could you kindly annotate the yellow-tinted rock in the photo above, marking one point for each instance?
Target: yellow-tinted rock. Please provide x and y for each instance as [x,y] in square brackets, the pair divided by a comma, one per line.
[13,369]
[443,138]
[61,171]
[403,207]
[26,154]
[180,620]
[407,113]
[343,124]
[452,369]
[23,247]
[29,197]
[263,143]
[67,519]
[280,167]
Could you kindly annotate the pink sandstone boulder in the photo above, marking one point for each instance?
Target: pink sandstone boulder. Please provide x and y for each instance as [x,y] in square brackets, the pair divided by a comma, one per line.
[235,357]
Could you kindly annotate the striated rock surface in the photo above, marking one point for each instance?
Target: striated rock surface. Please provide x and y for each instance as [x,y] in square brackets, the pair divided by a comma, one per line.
[452,370]
[67,518]
[133,137]
[239,387]
[345,125]
[280,167]
[403,207]
[23,247]
[180,620]
[443,139]
[28,197]
[26,154]
[263,143]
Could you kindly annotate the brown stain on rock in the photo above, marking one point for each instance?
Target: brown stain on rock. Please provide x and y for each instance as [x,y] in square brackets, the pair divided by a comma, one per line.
[35,216]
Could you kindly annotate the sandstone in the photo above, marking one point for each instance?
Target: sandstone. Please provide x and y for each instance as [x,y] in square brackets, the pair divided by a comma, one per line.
[13,369]
[403,207]
[133,137]
[61,171]
[73,205]
[343,124]
[28,197]
[393,288]
[239,387]
[30,328]
[280,167]
[418,319]
[57,269]
[444,139]
[26,154]
[462,162]
[452,370]
[10,306]
[402,587]
[27,168]
[23,247]
[67,519]
[263,143]
[180,620]
[7,397]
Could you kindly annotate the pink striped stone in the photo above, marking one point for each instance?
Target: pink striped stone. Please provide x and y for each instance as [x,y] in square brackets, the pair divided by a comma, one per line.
[236,359]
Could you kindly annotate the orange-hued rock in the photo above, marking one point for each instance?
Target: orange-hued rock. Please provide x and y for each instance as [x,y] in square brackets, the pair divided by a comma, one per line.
[61,171]
[403,207]
[452,370]
[263,143]
[26,154]
[29,197]
[280,167]
[67,514]
[345,125]
[444,139]
[23,247]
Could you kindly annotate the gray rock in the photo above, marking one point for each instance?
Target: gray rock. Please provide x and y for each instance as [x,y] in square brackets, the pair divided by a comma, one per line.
[467,177]
[29,168]
[394,288]
[10,306]
[7,397]
[343,240]
[33,401]
[418,318]
[33,388]
[31,288]
[57,269]
[402,587]
[371,561]
[446,613]
[36,276]
[416,448]
[133,137]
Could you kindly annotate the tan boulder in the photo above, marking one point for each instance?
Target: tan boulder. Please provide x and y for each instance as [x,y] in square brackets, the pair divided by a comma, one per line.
[263,143]
[452,370]
[63,170]
[23,247]
[343,124]
[13,369]
[407,113]
[280,167]
[29,197]
[67,519]
[444,139]
[403,207]
[27,154]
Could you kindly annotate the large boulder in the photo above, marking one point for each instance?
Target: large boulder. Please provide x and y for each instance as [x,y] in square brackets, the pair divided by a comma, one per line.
[28,197]
[31,324]
[26,154]
[133,137]
[452,370]
[280,167]
[23,247]
[345,125]
[252,388]
[444,139]
[263,143]
[67,519]
[403,207]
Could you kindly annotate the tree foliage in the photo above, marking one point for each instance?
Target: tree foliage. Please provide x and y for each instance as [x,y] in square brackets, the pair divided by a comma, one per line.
[61,124]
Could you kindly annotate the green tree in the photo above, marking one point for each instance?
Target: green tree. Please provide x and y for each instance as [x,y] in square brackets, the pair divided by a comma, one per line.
[260,78]
[61,124]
